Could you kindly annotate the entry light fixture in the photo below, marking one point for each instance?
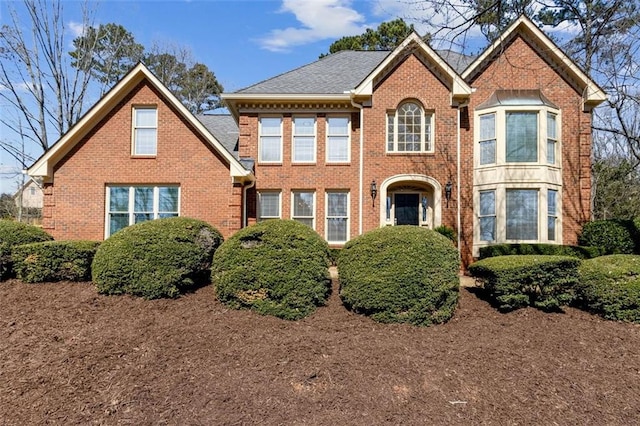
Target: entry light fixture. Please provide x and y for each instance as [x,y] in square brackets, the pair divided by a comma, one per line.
[374,192]
[448,187]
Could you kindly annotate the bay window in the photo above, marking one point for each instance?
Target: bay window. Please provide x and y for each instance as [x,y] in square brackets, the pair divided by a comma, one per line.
[521,137]
[521,214]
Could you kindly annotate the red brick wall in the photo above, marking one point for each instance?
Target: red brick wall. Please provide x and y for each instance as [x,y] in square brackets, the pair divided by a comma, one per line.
[75,201]
[520,67]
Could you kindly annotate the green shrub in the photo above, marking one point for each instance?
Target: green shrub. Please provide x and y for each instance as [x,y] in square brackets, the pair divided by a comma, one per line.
[276,267]
[610,287]
[544,249]
[54,261]
[400,274]
[447,231]
[14,234]
[614,236]
[157,258]
[513,282]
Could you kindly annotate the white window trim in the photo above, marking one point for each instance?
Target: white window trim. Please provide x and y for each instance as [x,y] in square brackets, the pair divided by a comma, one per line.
[554,140]
[313,217]
[131,203]
[500,203]
[294,135]
[260,193]
[327,217]
[327,136]
[134,127]
[424,115]
[260,160]
[501,135]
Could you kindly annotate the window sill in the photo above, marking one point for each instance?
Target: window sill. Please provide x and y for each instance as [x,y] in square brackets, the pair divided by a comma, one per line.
[149,157]
[395,153]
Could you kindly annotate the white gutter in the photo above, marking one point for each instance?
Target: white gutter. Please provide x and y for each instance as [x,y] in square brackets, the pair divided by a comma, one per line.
[245,219]
[458,218]
[361,167]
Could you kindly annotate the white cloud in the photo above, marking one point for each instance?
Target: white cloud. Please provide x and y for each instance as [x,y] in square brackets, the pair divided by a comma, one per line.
[319,20]
[76,28]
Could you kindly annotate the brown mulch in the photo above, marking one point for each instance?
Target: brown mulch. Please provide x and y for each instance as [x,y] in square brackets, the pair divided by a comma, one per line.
[71,356]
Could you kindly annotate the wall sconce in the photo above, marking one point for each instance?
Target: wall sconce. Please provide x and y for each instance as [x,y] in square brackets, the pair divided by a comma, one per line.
[448,187]
[374,192]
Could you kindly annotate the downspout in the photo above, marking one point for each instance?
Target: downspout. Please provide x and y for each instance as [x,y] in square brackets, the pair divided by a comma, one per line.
[361,167]
[245,213]
[458,171]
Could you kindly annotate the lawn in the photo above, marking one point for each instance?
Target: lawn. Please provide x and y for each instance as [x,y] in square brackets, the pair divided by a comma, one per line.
[71,356]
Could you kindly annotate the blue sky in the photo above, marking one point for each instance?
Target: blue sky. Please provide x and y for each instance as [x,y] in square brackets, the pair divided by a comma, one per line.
[242,41]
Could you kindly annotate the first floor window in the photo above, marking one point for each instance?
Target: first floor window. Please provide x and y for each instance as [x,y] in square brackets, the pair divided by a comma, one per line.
[268,205]
[522,214]
[337,216]
[487,215]
[552,207]
[303,207]
[134,204]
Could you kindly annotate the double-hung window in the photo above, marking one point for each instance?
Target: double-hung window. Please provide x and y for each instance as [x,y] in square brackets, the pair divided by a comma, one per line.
[487,215]
[552,215]
[128,205]
[270,150]
[337,226]
[337,140]
[304,140]
[409,129]
[552,137]
[522,137]
[488,139]
[268,205]
[522,214]
[303,207]
[145,131]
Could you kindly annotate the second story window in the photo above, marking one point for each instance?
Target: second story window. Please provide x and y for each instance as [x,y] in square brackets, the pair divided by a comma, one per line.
[145,131]
[488,138]
[270,150]
[304,140]
[522,137]
[552,137]
[409,129]
[337,140]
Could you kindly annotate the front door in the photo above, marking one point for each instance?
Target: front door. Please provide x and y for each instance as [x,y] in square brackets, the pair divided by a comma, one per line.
[407,209]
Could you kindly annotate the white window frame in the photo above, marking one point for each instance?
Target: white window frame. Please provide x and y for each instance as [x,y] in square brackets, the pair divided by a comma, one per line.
[135,127]
[486,139]
[427,131]
[552,214]
[295,216]
[488,215]
[131,204]
[501,136]
[346,217]
[552,139]
[296,136]
[329,136]
[277,193]
[262,137]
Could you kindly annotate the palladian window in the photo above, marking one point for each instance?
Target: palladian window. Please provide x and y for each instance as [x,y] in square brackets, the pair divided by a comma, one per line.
[409,129]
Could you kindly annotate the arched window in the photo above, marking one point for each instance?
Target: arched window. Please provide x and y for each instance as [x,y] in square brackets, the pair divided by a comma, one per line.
[409,129]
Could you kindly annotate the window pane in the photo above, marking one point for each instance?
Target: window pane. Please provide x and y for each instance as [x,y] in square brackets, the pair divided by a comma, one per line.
[522,214]
[488,228]
[145,141]
[304,125]
[488,152]
[118,199]
[168,201]
[551,126]
[487,215]
[551,212]
[337,229]
[487,203]
[304,149]
[338,126]
[143,199]
[117,221]
[303,204]
[270,126]
[146,117]
[270,149]
[522,137]
[390,132]
[337,204]
[142,217]
[269,205]
[551,152]
[306,221]
[487,127]
[337,139]
[163,215]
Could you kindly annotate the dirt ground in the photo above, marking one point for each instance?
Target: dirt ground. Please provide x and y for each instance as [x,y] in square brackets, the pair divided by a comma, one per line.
[70,356]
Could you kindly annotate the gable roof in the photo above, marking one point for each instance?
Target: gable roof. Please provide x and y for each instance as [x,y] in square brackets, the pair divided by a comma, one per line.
[592,94]
[43,167]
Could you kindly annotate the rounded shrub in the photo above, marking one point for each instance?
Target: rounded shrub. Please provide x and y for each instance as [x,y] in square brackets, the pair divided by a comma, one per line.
[400,274]
[610,286]
[54,261]
[14,234]
[614,236]
[277,267]
[157,258]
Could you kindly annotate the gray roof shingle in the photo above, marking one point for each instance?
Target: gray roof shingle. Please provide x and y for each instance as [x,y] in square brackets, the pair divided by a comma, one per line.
[224,128]
[337,73]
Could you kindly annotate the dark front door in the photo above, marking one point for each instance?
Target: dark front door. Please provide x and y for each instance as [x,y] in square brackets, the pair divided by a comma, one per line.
[407,209]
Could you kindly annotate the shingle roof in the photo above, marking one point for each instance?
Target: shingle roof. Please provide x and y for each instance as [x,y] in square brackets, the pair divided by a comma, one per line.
[224,128]
[337,73]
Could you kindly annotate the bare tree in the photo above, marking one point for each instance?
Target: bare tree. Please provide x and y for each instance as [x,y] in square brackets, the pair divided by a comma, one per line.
[45,94]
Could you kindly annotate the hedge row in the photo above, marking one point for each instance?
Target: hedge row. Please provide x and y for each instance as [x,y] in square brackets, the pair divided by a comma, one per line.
[512,282]
[540,249]
[613,236]
[14,234]
[54,261]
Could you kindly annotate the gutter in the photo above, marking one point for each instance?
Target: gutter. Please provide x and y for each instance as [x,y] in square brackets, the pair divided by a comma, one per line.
[361,166]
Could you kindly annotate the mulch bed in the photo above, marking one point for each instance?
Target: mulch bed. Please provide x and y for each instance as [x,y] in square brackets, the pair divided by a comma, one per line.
[71,356]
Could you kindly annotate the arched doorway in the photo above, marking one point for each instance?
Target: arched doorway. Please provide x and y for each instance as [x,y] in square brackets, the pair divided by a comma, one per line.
[410,200]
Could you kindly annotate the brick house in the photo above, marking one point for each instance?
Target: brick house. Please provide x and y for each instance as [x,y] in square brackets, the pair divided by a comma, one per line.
[497,147]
